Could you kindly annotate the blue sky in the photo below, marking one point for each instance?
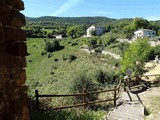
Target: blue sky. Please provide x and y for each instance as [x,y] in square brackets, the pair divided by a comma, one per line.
[148,9]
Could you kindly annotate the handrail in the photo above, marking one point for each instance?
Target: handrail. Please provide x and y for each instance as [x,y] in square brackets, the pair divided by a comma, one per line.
[130,80]
[84,95]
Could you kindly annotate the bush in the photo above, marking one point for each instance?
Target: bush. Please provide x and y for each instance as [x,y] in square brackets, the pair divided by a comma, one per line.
[105,77]
[74,44]
[51,46]
[84,79]
[71,58]
[136,55]
[64,57]
[43,53]
[157,50]
[56,59]
[29,60]
[73,114]
[52,73]
[49,55]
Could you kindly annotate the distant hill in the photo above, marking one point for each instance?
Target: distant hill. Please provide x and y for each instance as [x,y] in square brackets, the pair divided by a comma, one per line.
[73,20]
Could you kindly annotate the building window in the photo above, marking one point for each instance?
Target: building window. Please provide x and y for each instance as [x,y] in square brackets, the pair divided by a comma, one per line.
[139,33]
[149,33]
[153,33]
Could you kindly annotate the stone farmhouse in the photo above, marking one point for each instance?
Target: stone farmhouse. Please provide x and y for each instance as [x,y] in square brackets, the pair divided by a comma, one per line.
[98,31]
[144,33]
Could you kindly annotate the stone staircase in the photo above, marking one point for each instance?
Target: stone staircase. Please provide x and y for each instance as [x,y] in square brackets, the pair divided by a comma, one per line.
[129,108]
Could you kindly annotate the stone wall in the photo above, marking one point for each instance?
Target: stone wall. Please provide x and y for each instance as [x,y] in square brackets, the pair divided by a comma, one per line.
[13,92]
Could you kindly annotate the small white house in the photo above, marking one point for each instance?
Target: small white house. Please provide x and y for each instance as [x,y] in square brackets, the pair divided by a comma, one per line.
[60,36]
[98,30]
[144,33]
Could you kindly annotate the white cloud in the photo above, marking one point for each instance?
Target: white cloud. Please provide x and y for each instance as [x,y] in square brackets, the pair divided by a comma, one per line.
[153,18]
[66,6]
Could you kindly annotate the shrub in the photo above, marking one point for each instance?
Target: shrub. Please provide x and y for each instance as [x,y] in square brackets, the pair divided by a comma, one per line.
[135,56]
[71,58]
[29,60]
[84,80]
[64,57]
[43,53]
[52,73]
[49,55]
[157,50]
[56,59]
[105,77]
[73,114]
[51,46]
[74,44]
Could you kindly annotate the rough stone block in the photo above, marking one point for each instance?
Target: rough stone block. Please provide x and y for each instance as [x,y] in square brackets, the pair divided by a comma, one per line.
[5,15]
[16,49]
[21,61]
[2,35]
[15,34]
[17,19]
[4,75]
[17,4]
[22,78]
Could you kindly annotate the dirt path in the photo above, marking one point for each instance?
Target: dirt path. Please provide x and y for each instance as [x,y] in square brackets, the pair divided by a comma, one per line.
[116,56]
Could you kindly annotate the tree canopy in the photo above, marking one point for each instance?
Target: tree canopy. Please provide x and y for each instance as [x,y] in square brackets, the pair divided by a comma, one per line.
[135,56]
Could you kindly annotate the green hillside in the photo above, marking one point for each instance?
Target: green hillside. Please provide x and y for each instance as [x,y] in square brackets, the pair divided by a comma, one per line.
[50,74]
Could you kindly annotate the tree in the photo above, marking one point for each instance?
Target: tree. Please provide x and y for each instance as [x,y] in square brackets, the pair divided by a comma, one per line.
[135,56]
[139,23]
[51,46]
[76,31]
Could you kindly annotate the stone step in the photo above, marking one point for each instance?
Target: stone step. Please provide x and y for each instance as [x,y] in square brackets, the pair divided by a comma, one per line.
[123,116]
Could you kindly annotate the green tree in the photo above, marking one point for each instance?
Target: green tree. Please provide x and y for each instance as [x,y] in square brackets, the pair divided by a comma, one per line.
[51,46]
[76,31]
[135,56]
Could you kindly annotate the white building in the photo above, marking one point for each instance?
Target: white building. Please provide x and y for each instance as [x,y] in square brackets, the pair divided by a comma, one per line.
[60,36]
[98,31]
[144,33]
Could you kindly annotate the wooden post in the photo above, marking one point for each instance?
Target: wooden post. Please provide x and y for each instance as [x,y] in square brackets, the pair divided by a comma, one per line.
[37,100]
[85,98]
[125,85]
[115,96]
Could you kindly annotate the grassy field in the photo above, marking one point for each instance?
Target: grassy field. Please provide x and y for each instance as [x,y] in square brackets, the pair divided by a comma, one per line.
[48,75]
[56,75]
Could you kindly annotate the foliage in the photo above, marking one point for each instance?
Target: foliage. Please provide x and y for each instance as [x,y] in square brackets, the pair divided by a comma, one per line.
[49,55]
[43,53]
[84,79]
[135,56]
[76,31]
[107,39]
[73,114]
[157,50]
[52,45]
[105,77]
[71,58]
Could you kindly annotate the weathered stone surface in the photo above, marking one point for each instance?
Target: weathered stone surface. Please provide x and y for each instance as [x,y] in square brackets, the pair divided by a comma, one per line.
[13,92]
[17,19]
[4,75]
[15,34]
[2,35]
[17,4]
[16,48]
[24,114]
[5,15]
[22,78]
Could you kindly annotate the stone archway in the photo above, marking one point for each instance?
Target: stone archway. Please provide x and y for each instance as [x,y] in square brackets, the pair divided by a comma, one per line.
[13,92]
